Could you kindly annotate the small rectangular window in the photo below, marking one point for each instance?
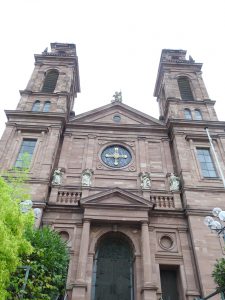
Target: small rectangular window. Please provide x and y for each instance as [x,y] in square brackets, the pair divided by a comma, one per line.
[206,163]
[26,152]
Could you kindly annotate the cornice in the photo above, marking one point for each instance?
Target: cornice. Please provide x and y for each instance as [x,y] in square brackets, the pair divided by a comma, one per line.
[194,123]
[198,136]
[207,188]
[36,115]
[169,256]
[121,127]
[29,92]
[62,208]
[31,128]
[183,127]
[169,213]
[180,101]
[197,212]
[54,56]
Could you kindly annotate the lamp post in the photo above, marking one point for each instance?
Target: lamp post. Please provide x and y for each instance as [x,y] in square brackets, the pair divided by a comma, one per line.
[25,207]
[216,225]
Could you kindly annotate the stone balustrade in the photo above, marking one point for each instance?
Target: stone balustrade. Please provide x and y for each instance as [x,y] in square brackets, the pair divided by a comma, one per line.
[68,197]
[163,201]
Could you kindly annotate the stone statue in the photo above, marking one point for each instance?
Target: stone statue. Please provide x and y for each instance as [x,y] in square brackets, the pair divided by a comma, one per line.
[57,177]
[26,206]
[145,180]
[86,177]
[174,182]
[117,97]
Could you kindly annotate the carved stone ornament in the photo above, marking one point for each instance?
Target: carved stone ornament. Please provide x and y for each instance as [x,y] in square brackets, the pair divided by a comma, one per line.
[117,97]
[57,177]
[174,182]
[86,177]
[145,180]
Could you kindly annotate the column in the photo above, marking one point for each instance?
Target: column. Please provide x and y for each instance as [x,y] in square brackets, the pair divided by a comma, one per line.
[148,289]
[80,286]
[146,257]
[83,255]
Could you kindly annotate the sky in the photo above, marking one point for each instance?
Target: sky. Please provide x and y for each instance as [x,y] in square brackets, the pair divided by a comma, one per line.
[118,42]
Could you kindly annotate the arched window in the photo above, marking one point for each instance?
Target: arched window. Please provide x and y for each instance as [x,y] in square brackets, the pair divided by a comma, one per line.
[113,269]
[187,114]
[198,114]
[47,106]
[185,88]
[50,81]
[36,106]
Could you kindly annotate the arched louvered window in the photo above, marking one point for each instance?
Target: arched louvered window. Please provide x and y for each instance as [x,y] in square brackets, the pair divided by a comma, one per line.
[36,106]
[50,81]
[47,106]
[187,114]
[198,115]
[185,88]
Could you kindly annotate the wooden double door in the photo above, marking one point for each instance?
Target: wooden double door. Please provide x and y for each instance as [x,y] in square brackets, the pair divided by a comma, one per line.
[113,270]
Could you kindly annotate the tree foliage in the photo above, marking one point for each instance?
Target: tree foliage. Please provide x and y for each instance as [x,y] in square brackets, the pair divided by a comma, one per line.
[219,273]
[13,224]
[48,262]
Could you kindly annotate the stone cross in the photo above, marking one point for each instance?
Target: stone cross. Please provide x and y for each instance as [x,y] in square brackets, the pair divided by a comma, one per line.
[116,156]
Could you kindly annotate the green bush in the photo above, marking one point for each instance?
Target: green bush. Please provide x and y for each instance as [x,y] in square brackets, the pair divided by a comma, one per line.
[219,273]
[48,262]
[13,224]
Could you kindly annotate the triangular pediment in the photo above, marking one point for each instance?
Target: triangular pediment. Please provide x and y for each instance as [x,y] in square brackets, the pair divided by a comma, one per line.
[118,114]
[117,198]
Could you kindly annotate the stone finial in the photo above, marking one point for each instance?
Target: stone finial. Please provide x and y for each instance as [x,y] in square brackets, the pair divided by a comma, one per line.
[174,182]
[191,59]
[86,177]
[145,180]
[117,97]
[57,177]
[46,50]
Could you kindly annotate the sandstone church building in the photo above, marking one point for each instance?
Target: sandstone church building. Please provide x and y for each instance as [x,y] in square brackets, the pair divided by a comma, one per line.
[128,192]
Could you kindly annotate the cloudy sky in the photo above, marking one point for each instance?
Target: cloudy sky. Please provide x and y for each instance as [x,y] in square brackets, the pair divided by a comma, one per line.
[118,42]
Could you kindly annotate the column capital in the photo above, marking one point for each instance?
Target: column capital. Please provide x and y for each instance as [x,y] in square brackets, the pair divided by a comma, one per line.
[144,222]
[86,220]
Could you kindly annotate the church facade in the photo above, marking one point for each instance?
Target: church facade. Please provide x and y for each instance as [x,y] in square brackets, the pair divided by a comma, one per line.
[128,192]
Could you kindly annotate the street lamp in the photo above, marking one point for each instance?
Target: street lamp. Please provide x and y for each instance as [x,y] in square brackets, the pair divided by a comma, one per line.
[26,206]
[215,225]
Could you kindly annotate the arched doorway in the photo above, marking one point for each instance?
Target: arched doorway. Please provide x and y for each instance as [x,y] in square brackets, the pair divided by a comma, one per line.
[113,269]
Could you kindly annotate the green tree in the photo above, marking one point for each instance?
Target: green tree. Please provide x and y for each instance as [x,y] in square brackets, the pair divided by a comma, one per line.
[48,262]
[219,273]
[13,224]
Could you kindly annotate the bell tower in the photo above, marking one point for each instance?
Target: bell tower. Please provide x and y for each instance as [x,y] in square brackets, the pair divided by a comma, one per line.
[180,89]
[54,82]
[37,125]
